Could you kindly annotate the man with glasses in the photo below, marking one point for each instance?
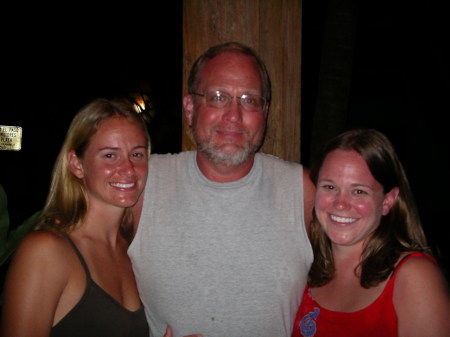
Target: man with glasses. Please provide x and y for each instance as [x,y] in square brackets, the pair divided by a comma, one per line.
[221,248]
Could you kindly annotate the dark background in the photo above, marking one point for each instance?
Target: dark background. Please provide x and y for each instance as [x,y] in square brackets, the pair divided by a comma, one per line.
[399,84]
[53,64]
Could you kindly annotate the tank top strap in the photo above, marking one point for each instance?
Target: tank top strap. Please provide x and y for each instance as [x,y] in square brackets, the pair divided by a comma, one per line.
[407,257]
[83,263]
[389,288]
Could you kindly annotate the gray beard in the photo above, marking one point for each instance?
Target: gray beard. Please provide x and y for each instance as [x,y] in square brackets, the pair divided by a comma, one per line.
[217,156]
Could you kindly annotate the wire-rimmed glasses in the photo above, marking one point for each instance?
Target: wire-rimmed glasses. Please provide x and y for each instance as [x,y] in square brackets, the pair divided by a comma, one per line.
[219,100]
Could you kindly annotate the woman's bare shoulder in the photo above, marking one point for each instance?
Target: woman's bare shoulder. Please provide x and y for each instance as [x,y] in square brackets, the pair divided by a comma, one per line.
[421,294]
[419,272]
[41,246]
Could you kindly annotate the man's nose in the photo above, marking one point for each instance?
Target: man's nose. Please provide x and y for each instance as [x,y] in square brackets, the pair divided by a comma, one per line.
[233,111]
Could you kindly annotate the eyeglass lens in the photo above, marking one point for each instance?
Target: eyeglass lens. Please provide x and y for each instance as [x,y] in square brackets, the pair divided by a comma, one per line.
[217,99]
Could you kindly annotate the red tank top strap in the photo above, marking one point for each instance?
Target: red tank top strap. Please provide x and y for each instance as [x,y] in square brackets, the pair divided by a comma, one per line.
[389,288]
[407,257]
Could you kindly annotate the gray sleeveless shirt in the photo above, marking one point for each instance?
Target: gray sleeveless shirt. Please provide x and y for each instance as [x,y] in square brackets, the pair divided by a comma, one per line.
[222,259]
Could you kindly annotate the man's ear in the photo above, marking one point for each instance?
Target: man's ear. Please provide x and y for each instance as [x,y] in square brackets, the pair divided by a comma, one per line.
[75,165]
[389,200]
[188,108]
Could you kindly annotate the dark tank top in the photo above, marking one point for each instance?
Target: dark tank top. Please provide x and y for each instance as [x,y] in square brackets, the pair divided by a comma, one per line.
[98,314]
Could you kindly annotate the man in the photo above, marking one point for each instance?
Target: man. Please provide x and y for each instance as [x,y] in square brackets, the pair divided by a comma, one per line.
[222,248]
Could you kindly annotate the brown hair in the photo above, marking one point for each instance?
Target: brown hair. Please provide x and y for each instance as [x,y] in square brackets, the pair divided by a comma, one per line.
[229,47]
[399,231]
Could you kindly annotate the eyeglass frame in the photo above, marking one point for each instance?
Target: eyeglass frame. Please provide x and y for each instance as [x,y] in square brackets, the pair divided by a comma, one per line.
[264,101]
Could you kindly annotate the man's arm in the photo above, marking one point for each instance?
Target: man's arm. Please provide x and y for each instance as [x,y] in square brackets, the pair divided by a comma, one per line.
[309,191]
[136,211]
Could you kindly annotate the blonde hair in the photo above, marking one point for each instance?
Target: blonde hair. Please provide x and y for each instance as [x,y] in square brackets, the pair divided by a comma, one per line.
[66,203]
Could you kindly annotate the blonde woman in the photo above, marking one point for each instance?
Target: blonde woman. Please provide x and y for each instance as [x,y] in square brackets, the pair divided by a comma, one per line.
[72,276]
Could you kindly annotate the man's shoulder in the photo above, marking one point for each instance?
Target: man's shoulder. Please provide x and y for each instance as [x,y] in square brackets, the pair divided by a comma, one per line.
[163,157]
[271,159]
[168,163]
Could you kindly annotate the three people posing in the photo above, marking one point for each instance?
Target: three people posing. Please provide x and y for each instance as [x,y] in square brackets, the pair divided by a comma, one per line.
[221,243]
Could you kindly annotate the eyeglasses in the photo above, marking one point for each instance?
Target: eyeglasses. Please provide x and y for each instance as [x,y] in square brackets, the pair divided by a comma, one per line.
[220,100]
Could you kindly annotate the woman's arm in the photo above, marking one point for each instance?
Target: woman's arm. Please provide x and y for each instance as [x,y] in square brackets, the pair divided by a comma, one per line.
[35,281]
[422,299]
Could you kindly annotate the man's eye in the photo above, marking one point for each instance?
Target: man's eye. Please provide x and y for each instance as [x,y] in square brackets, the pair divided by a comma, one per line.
[250,100]
[219,98]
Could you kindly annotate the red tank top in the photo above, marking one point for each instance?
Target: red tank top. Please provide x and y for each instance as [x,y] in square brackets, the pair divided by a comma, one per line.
[376,320]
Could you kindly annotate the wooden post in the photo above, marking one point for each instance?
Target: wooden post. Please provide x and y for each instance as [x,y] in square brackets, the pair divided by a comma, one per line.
[273,29]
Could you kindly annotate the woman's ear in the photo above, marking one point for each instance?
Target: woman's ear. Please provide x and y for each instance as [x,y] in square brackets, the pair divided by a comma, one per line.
[75,165]
[389,200]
